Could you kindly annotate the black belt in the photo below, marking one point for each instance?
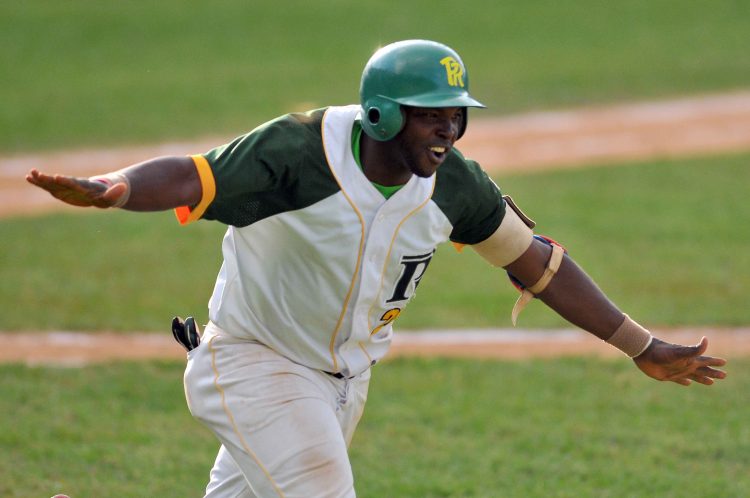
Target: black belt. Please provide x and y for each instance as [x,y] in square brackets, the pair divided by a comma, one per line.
[338,375]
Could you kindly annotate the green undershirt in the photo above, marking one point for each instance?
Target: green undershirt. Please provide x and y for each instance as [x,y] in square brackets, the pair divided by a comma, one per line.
[356,137]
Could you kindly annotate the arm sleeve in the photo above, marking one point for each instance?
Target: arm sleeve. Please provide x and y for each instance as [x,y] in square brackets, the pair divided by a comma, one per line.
[259,161]
[508,242]
[481,206]
[232,175]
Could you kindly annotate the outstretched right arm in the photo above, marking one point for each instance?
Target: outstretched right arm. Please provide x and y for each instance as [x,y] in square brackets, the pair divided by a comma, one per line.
[155,185]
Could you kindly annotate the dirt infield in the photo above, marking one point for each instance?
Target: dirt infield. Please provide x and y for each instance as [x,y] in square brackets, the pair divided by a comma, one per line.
[529,142]
[77,349]
[525,142]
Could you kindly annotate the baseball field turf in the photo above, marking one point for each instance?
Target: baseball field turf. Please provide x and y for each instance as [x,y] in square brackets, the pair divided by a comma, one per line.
[432,428]
[666,239]
[83,72]
[667,228]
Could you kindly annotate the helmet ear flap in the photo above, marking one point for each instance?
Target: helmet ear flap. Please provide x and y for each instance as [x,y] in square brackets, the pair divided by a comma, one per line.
[382,119]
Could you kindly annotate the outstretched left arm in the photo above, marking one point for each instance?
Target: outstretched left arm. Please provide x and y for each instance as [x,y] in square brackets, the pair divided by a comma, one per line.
[157,184]
[575,297]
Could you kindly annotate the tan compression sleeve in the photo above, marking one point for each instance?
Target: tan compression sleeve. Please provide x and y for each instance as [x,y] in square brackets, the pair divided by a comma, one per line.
[510,240]
[631,338]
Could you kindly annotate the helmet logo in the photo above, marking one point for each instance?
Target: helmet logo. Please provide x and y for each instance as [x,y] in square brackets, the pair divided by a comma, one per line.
[454,71]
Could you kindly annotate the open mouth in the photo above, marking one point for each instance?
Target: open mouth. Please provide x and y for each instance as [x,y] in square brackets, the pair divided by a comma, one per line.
[438,152]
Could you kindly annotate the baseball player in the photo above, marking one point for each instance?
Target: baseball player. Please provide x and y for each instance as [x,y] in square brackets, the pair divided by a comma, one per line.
[333,218]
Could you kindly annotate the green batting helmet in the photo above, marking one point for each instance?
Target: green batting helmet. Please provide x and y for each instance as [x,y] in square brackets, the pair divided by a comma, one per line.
[416,73]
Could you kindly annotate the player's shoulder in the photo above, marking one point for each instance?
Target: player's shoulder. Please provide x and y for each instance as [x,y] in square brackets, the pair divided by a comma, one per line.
[291,125]
[306,119]
[468,197]
[459,175]
[277,137]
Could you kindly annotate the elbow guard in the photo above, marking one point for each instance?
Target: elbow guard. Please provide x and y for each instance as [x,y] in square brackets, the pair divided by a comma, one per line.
[528,293]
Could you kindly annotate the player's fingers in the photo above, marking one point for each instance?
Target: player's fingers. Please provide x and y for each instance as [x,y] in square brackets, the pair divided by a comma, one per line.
[710,372]
[682,381]
[38,178]
[77,184]
[702,346]
[706,381]
[68,189]
[686,354]
[32,175]
[695,350]
[711,361]
[77,191]
[35,173]
[52,184]
[702,375]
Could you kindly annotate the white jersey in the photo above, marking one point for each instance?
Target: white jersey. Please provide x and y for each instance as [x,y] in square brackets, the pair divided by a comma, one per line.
[317,263]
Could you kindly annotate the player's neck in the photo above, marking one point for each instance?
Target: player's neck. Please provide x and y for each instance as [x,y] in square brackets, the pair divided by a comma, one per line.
[382,163]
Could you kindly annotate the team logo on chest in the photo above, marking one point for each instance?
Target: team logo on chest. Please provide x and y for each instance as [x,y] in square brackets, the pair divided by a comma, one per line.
[413,268]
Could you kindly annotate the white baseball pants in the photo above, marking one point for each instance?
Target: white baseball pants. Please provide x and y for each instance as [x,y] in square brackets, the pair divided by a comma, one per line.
[284,428]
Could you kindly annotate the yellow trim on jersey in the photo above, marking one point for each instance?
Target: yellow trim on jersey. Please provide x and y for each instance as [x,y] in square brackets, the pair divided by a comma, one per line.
[186,214]
[364,350]
[390,248]
[231,417]
[332,344]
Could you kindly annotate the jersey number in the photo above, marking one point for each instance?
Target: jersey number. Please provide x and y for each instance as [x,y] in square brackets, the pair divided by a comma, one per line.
[387,318]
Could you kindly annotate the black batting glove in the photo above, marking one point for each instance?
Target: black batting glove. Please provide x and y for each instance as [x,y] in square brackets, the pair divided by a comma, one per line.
[187,332]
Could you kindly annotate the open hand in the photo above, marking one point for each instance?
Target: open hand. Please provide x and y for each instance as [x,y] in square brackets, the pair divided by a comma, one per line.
[78,191]
[680,364]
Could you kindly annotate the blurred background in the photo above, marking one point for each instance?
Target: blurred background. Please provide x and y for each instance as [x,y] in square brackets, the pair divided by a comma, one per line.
[85,73]
[665,235]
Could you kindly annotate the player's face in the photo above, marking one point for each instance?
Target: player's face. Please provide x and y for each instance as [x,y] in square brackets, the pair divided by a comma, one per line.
[428,136]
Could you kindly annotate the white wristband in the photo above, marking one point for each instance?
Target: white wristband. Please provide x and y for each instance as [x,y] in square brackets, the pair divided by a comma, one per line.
[631,338]
[113,179]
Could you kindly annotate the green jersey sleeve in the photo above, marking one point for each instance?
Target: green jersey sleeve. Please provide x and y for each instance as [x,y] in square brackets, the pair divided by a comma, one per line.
[277,167]
[469,198]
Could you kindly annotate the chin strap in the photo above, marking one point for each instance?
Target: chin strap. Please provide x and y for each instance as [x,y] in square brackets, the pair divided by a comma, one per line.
[528,293]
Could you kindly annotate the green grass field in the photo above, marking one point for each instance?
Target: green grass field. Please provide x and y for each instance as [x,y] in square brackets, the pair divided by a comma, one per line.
[432,428]
[83,72]
[666,239]
[661,238]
